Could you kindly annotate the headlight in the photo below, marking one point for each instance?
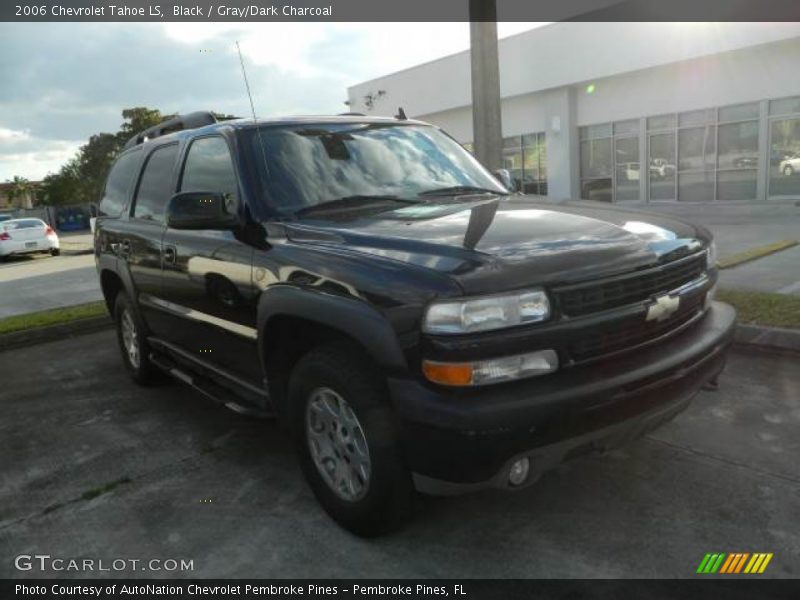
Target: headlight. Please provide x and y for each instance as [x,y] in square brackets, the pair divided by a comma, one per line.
[711,255]
[490,312]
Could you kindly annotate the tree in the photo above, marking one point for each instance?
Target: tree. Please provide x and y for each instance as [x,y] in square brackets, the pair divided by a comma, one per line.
[20,190]
[62,188]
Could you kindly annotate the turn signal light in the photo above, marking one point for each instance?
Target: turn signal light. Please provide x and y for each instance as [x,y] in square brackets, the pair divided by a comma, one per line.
[4,236]
[448,373]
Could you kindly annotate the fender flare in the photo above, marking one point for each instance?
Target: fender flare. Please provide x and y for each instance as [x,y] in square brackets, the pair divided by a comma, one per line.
[352,317]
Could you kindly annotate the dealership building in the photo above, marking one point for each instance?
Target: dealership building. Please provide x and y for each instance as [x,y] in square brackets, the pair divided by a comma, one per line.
[628,112]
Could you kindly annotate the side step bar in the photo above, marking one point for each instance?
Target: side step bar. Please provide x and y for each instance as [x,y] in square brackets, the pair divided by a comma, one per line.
[250,401]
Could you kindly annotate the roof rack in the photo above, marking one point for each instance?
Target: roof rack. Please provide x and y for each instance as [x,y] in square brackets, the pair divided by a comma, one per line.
[179,123]
[352,114]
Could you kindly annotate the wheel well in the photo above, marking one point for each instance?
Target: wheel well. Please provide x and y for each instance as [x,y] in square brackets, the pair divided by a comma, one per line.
[286,339]
[110,284]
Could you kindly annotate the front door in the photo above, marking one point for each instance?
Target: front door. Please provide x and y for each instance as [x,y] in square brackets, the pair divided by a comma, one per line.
[207,289]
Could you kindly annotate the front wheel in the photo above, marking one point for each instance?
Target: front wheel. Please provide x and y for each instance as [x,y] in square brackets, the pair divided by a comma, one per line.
[347,440]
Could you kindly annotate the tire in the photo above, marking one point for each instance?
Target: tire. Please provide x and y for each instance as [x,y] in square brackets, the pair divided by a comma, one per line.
[55,251]
[788,171]
[341,376]
[133,343]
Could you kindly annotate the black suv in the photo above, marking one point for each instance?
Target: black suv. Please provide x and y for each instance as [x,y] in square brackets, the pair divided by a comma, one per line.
[415,325]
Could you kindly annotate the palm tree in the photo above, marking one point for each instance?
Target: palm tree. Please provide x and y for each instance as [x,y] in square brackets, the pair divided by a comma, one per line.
[20,190]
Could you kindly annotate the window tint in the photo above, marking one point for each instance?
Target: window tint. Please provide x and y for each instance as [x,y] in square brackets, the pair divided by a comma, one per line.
[24,224]
[155,186]
[119,179]
[209,168]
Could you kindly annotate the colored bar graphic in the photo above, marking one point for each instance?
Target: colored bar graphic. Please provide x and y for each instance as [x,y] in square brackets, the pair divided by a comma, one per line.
[735,562]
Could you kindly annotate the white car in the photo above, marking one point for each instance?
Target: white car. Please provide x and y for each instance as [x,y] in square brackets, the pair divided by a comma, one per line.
[791,165]
[27,236]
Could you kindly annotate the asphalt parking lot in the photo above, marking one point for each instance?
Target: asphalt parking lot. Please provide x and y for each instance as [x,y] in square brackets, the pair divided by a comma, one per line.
[94,466]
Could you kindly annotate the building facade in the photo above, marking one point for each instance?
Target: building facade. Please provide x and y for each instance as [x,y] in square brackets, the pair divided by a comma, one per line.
[628,112]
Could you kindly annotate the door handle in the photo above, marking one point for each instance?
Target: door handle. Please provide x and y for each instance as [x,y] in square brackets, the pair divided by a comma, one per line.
[170,255]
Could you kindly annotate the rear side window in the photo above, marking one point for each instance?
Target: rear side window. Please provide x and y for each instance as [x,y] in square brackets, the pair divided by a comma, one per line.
[118,183]
[155,186]
[209,168]
[24,224]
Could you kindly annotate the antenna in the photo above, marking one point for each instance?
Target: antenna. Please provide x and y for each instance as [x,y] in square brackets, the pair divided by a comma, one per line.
[252,108]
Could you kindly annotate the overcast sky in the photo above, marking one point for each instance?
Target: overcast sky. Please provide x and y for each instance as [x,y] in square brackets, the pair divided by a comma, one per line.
[62,82]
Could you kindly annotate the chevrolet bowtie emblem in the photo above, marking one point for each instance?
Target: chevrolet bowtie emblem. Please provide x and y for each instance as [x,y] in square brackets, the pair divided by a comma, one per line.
[663,308]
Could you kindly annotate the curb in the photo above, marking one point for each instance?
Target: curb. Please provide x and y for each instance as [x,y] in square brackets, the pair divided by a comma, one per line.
[768,338]
[38,335]
[76,252]
[754,254]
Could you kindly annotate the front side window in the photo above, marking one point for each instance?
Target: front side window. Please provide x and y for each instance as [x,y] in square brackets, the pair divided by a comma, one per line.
[155,186]
[306,165]
[209,168]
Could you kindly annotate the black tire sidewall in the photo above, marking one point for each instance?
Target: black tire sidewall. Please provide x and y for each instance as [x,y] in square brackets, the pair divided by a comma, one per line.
[341,368]
[144,373]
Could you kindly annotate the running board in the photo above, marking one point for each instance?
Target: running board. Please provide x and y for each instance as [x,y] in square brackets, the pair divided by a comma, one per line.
[211,389]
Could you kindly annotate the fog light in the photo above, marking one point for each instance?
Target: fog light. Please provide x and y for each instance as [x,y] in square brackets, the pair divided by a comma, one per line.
[519,471]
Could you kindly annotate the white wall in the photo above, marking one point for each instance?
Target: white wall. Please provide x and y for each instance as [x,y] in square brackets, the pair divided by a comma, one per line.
[563,54]
[771,71]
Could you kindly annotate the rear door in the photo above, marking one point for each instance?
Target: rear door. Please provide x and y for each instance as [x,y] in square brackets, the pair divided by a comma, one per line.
[140,238]
[207,288]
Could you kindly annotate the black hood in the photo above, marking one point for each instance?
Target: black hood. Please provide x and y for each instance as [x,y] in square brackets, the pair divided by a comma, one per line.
[499,243]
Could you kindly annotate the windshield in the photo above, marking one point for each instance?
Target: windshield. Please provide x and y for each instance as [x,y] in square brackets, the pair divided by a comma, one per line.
[308,165]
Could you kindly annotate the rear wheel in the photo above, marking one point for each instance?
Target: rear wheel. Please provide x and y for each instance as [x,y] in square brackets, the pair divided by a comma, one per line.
[347,440]
[133,343]
[55,251]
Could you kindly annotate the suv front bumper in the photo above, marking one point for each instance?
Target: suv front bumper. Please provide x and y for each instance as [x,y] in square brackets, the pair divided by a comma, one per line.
[459,440]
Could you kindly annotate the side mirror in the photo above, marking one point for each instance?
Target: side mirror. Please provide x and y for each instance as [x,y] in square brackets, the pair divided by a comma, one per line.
[201,210]
[504,177]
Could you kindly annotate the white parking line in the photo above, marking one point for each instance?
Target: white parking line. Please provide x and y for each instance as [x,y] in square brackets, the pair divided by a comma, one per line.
[793,288]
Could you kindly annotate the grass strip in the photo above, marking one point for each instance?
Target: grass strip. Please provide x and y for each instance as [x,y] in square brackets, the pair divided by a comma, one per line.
[761,308]
[754,253]
[53,316]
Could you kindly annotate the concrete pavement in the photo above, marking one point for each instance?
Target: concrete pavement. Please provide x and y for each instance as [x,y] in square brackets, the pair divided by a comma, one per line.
[32,283]
[193,480]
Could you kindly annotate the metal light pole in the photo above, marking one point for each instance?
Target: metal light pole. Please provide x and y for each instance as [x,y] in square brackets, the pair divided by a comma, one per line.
[486,116]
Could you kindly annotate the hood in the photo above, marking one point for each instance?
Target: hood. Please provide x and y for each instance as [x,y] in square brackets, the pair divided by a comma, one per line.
[500,243]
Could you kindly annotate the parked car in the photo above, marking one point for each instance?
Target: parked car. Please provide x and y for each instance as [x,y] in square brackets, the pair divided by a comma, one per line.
[27,236]
[415,326]
[790,165]
[5,217]
[660,168]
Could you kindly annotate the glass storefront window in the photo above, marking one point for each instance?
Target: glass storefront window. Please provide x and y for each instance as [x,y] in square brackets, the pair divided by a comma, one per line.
[738,112]
[596,158]
[592,132]
[661,170]
[784,106]
[696,148]
[525,158]
[784,161]
[661,122]
[597,189]
[630,127]
[738,145]
[696,187]
[736,185]
[626,152]
[696,117]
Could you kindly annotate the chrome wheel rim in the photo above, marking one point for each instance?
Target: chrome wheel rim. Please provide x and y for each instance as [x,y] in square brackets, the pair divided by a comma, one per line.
[130,338]
[338,445]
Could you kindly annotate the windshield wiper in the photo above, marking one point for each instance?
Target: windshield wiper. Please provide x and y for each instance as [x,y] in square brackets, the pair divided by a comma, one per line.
[461,189]
[354,201]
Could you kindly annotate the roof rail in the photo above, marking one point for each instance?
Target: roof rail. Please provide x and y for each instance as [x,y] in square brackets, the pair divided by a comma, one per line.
[181,122]
[352,114]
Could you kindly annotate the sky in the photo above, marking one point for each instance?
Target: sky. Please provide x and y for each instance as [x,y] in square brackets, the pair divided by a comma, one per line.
[62,82]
